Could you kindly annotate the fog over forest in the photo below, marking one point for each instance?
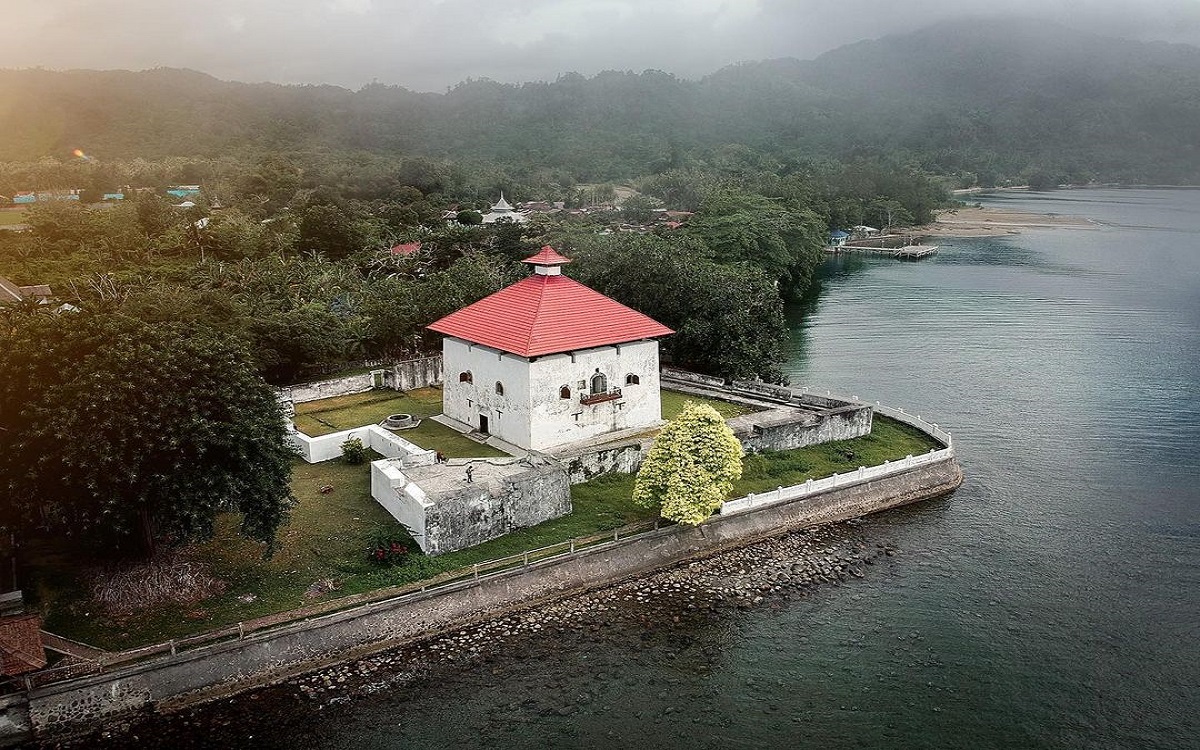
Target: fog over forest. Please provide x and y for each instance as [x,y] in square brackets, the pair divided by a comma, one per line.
[427,45]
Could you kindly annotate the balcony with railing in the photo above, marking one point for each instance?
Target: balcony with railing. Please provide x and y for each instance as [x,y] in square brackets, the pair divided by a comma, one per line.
[612,394]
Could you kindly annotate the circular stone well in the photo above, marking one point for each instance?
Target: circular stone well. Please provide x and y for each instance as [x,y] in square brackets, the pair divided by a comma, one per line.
[400,422]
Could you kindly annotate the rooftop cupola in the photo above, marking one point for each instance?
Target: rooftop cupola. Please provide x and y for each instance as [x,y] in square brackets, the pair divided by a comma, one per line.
[502,205]
[548,262]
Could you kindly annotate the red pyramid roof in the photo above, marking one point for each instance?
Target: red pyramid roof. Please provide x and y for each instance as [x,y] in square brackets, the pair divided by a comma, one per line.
[406,248]
[547,314]
[547,256]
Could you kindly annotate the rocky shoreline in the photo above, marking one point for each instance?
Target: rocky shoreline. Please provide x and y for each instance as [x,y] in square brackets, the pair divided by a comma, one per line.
[679,597]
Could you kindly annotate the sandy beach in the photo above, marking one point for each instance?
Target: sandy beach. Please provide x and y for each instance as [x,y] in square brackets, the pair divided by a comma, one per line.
[988,222]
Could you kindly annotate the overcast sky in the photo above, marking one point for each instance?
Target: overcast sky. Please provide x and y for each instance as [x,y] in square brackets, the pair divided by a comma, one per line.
[428,45]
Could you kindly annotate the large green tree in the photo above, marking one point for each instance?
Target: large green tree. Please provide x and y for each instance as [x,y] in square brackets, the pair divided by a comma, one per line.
[728,319]
[782,239]
[691,467]
[126,434]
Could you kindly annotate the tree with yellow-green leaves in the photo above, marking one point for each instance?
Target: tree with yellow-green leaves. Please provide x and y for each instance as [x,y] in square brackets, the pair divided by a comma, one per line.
[691,467]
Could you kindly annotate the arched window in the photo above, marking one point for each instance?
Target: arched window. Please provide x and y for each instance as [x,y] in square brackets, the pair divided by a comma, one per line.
[499,388]
[466,377]
[632,379]
[564,392]
[599,382]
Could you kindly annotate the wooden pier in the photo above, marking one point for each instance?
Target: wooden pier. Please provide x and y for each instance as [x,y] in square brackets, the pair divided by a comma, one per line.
[907,252]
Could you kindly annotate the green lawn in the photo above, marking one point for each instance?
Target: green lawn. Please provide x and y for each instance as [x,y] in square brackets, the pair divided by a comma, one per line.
[8,218]
[673,401]
[328,537]
[347,412]
[889,441]
[372,407]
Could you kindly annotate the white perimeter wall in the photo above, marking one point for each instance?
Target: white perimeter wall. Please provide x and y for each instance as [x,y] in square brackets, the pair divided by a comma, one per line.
[299,394]
[403,499]
[326,447]
[530,413]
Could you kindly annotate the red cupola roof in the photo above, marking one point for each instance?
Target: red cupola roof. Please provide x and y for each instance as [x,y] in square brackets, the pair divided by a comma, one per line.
[547,256]
[548,314]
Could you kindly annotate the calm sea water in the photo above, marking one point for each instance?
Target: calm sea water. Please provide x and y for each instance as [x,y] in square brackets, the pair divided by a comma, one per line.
[1053,601]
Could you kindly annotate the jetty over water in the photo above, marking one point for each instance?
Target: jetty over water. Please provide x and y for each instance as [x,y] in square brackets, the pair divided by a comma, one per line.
[907,252]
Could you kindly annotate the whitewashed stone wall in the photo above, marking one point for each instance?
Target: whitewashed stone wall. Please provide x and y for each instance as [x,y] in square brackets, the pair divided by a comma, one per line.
[317,390]
[415,373]
[531,413]
[403,499]
[507,414]
[387,443]
[444,517]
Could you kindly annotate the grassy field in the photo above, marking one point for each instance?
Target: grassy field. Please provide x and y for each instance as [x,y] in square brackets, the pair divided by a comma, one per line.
[346,412]
[328,536]
[889,440]
[10,217]
[673,401]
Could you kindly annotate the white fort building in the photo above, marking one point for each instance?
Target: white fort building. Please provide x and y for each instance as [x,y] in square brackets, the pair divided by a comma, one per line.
[548,361]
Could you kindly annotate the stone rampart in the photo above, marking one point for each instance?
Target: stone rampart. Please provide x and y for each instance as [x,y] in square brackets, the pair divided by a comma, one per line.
[788,428]
[619,457]
[444,513]
[400,376]
[15,726]
[765,389]
[472,514]
[416,373]
[670,373]
[224,668]
[319,389]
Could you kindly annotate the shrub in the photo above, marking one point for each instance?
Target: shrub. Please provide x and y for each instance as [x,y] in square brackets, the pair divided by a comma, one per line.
[354,452]
[388,551]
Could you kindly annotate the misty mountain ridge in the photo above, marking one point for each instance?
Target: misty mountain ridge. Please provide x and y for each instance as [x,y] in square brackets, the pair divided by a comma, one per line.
[994,98]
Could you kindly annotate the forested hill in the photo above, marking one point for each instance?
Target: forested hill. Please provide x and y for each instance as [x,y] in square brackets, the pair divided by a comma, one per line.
[987,101]
[991,96]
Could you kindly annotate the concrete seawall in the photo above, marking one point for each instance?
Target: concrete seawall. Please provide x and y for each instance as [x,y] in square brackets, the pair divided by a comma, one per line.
[224,668]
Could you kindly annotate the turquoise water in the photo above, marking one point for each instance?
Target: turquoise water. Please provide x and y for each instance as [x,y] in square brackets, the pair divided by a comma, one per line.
[1051,602]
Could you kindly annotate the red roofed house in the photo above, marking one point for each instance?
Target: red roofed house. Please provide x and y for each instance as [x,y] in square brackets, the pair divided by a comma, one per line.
[406,248]
[548,361]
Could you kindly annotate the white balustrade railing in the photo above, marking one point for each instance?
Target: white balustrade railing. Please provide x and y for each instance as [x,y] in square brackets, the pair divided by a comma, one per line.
[862,475]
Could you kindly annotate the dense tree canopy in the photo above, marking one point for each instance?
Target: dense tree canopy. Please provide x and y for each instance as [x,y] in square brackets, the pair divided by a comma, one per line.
[784,240]
[123,433]
[728,318]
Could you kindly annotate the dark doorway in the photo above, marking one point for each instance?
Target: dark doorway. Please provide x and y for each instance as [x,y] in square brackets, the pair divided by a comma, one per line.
[483,426]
